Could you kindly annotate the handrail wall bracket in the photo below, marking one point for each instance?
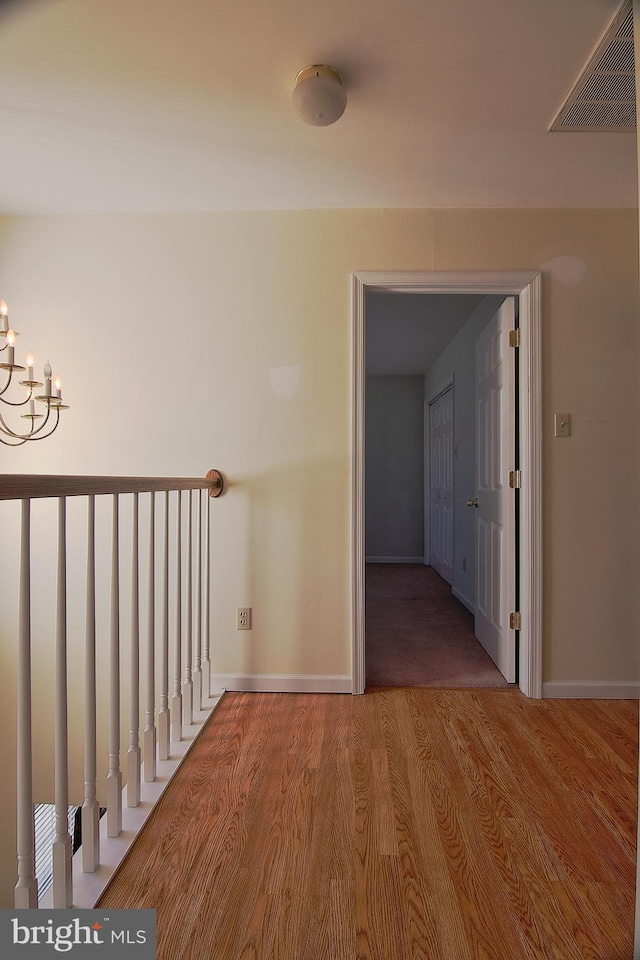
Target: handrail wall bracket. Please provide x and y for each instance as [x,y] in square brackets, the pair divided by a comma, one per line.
[218,486]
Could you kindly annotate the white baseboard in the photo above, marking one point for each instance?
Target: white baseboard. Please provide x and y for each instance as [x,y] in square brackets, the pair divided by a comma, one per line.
[469,604]
[283,683]
[394,559]
[605,690]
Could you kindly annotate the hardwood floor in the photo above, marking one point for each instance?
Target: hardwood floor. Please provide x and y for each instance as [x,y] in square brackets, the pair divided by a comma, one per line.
[405,823]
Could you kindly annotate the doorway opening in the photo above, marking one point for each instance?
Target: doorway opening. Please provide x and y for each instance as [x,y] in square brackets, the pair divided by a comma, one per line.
[418,634]
[523,291]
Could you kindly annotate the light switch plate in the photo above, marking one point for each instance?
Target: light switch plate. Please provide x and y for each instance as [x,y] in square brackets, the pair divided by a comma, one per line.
[562,424]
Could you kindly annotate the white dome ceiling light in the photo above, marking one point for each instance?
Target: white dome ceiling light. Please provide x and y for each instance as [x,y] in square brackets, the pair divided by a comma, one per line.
[318,95]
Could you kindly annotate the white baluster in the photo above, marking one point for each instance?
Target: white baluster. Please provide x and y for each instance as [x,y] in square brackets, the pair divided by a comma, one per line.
[62,847]
[163,713]
[176,700]
[197,666]
[150,717]
[187,686]
[90,808]
[133,753]
[114,776]
[206,656]
[26,889]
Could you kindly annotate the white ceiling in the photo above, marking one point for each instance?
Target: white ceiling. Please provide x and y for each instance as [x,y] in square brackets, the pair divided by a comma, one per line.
[406,332]
[153,105]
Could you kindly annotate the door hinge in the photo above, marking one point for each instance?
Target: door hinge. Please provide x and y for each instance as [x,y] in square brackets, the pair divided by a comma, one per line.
[514,479]
[515,621]
[514,337]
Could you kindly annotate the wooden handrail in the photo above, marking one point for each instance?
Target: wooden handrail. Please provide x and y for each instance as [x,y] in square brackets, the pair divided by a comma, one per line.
[24,486]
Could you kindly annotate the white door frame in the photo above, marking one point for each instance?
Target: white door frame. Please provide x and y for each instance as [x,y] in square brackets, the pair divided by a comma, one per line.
[526,286]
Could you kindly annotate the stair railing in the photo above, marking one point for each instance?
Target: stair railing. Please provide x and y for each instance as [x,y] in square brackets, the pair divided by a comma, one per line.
[170,696]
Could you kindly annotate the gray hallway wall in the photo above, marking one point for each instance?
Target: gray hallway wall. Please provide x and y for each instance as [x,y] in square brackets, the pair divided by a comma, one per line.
[394,468]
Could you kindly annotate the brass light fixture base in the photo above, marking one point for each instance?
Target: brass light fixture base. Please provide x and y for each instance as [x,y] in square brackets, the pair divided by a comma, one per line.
[318,70]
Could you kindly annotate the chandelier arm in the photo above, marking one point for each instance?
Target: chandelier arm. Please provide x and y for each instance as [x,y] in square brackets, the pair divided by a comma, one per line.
[32,434]
[8,443]
[44,436]
[7,384]
[11,403]
[6,429]
[38,430]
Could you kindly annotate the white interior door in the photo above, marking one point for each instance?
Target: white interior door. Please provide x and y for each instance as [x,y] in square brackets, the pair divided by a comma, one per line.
[441,484]
[495,542]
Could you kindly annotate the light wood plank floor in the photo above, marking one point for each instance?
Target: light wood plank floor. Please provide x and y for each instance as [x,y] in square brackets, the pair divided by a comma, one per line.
[402,824]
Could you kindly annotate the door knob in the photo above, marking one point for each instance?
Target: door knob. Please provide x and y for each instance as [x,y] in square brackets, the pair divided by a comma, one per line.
[472,503]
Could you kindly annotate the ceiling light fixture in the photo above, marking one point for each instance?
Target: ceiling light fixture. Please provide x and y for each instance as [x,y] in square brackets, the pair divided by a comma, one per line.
[319,95]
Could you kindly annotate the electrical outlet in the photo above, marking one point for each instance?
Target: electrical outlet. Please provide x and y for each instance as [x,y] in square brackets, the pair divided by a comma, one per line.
[243,618]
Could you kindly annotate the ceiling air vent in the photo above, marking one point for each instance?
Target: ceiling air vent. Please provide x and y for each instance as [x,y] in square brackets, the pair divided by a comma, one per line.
[603,97]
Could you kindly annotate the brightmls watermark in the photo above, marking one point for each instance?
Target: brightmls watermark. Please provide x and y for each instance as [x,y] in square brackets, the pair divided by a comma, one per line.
[80,934]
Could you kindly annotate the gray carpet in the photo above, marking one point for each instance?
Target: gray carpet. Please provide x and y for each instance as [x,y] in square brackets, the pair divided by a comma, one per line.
[418,634]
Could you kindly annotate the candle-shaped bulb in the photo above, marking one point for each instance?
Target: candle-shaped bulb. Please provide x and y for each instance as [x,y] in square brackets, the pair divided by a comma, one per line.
[29,359]
[47,379]
[58,385]
[4,309]
[47,370]
[11,339]
[30,367]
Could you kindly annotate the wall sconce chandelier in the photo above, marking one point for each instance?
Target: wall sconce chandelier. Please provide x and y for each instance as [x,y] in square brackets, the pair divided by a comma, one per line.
[50,397]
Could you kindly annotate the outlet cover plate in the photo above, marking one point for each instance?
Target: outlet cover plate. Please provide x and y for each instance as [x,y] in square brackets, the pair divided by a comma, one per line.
[243,618]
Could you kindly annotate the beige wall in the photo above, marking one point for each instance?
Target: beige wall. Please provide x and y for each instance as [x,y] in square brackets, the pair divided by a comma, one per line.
[171,333]
[191,341]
